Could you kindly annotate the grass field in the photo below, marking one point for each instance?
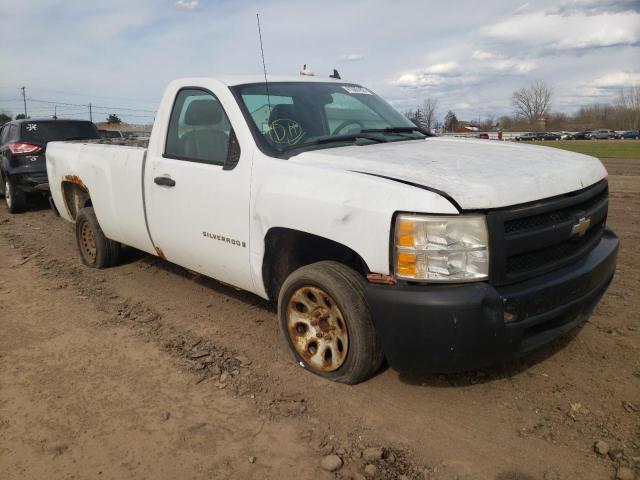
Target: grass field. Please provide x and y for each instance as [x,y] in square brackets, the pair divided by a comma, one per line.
[599,148]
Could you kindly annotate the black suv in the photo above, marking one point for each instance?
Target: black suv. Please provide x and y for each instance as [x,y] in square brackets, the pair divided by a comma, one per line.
[23,168]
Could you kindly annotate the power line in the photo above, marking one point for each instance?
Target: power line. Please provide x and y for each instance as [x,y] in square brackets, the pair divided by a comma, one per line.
[37,100]
[76,94]
[67,104]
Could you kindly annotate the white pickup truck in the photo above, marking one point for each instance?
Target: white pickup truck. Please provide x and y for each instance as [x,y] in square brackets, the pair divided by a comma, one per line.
[375,239]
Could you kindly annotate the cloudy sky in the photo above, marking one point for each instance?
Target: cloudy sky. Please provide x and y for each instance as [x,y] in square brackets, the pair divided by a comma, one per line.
[119,54]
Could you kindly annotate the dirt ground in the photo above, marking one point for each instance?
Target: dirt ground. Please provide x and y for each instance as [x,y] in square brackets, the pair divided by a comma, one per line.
[148,371]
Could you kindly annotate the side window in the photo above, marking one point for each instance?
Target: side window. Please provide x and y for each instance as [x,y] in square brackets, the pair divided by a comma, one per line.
[13,132]
[199,129]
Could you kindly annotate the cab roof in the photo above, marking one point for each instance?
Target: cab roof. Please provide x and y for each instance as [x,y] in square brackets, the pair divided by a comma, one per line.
[233,80]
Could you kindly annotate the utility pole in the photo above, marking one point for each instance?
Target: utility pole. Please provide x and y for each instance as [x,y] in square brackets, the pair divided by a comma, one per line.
[24,100]
[90,113]
[55,112]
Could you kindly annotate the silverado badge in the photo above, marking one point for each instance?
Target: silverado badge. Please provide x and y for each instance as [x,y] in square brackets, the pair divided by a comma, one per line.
[580,228]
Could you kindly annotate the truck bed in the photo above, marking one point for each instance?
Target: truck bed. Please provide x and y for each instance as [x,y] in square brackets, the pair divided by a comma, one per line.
[125,142]
[111,171]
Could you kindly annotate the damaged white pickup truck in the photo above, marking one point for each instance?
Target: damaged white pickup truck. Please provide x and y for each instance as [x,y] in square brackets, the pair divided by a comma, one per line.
[376,240]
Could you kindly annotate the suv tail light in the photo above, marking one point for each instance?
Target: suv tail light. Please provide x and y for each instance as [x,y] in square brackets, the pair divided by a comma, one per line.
[18,147]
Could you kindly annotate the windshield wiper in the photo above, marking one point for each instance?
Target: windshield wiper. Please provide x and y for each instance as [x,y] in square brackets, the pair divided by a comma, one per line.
[345,138]
[397,130]
[348,137]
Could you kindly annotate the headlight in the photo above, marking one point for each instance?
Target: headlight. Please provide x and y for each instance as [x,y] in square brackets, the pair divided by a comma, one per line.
[441,248]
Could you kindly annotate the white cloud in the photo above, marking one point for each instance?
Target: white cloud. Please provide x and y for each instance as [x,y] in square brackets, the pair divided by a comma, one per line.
[433,75]
[442,68]
[418,80]
[616,80]
[482,55]
[575,30]
[188,5]
[514,66]
[493,61]
[351,57]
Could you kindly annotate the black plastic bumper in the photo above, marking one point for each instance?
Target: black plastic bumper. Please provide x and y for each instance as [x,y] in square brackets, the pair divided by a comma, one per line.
[450,328]
[31,182]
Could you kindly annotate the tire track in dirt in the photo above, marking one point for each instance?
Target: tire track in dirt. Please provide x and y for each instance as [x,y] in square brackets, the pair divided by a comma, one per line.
[210,365]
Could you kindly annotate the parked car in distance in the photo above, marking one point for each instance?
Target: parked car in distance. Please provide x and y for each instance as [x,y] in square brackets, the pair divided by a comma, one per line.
[565,135]
[603,134]
[537,136]
[549,136]
[23,144]
[631,135]
[527,137]
[375,239]
[584,135]
[136,134]
[110,134]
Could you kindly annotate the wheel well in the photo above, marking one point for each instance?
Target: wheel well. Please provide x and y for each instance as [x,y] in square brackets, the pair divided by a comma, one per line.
[76,197]
[287,250]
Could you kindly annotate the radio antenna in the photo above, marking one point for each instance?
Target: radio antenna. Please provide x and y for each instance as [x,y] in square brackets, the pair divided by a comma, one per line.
[264,66]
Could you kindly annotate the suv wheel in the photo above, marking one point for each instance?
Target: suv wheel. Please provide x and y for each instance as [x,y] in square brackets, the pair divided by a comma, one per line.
[325,319]
[96,250]
[15,199]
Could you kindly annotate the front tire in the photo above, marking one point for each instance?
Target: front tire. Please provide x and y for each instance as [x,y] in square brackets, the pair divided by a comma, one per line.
[96,250]
[325,319]
[15,199]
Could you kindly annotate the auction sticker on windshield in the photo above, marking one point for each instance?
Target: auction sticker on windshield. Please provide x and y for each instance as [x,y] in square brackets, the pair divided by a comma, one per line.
[361,90]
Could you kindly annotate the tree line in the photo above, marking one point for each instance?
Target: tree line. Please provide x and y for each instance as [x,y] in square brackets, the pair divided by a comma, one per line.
[532,111]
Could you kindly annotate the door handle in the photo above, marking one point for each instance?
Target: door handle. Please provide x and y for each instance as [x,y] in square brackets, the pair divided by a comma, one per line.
[165,181]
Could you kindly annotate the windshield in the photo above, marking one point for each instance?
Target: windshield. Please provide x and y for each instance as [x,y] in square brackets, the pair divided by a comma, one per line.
[43,132]
[301,116]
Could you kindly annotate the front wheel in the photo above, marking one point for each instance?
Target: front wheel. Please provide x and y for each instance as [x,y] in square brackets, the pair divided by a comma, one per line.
[96,250]
[325,319]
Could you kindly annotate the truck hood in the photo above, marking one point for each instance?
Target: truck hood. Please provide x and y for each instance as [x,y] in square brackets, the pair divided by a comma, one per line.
[476,174]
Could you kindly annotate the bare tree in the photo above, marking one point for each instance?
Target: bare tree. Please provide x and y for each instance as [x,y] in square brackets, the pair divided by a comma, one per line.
[532,103]
[429,107]
[627,106]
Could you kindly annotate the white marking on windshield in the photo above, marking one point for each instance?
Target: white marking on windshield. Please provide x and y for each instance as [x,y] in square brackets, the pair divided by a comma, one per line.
[361,90]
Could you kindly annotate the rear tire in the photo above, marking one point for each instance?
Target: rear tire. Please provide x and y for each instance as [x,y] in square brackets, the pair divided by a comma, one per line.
[15,199]
[96,250]
[325,319]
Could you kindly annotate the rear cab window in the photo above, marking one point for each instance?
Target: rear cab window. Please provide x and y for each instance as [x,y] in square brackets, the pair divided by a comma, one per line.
[41,133]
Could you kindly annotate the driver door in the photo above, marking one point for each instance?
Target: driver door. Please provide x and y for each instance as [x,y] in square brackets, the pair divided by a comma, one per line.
[197,191]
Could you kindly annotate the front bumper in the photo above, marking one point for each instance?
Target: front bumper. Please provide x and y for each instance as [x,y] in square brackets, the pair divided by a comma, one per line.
[450,328]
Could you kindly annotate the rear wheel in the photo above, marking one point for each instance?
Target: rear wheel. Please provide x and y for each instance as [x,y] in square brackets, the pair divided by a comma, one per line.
[15,199]
[325,319]
[96,250]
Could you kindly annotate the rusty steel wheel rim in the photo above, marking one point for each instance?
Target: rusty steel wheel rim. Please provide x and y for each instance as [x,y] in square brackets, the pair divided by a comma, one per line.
[88,242]
[317,329]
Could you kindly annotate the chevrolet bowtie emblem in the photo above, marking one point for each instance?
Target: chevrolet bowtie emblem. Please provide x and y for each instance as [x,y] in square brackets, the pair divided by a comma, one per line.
[580,228]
